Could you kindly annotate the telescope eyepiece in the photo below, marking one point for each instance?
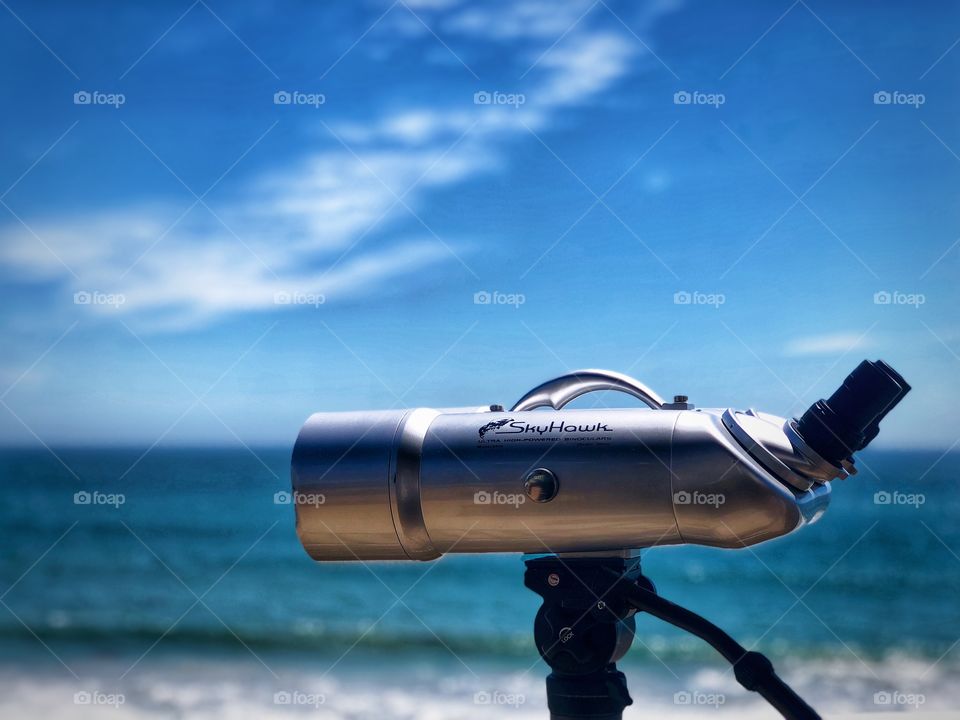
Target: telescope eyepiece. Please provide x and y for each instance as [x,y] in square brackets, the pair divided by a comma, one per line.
[850,418]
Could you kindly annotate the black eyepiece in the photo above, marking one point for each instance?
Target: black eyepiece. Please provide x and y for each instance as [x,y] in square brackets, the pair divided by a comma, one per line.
[846,422]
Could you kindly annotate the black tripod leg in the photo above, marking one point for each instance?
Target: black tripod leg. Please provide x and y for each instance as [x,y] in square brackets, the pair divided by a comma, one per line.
[599,696]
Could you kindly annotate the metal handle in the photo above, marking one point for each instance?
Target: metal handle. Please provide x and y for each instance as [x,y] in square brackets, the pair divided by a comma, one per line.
[558,392]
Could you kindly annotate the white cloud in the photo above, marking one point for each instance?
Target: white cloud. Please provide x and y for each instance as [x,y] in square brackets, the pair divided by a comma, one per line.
[828,344]
[519,19]
[292,239]
[584,67]
[431,4]
[323,224]
[569,63]
[409,127]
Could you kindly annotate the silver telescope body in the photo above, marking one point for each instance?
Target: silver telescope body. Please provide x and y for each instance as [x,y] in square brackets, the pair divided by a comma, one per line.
[415,484]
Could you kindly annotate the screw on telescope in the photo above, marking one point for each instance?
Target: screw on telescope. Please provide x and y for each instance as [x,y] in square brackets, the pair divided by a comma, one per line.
[680,402]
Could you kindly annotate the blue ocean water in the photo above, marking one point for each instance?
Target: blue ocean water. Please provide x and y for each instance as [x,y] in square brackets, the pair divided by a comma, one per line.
[183,571]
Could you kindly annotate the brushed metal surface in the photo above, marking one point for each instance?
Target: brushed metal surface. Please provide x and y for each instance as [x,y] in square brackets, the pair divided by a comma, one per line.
[733,500]
[405,487]
[414,484]
[614,481]
[349,458]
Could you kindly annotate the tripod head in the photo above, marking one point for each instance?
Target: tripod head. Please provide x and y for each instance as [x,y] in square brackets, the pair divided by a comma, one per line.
[587,623]
[583,628]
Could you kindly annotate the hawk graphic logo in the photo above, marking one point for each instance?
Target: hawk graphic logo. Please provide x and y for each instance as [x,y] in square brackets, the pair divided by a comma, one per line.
[493,426]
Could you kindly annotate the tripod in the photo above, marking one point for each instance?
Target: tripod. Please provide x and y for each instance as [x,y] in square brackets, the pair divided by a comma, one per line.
[586,624]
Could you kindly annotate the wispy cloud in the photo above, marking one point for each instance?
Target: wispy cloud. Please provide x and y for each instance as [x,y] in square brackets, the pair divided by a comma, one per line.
[827,344]
[331,223]
[584,67]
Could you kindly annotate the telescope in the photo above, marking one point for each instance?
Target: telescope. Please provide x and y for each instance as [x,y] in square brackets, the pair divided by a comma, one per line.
[580,492]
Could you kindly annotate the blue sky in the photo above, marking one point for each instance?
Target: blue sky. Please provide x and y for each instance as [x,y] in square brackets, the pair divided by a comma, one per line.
[241,263]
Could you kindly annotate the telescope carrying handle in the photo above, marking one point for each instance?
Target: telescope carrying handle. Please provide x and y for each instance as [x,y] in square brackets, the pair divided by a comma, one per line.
[561,390]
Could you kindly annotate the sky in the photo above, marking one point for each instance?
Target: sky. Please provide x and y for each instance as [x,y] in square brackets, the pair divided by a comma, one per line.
[217,218]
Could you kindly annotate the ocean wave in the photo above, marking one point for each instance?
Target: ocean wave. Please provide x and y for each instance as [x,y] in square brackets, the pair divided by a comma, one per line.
[358,687]
[647,649]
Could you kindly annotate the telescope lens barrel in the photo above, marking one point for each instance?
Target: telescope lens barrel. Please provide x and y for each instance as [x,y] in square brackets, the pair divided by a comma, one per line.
[846,422]
[416,484]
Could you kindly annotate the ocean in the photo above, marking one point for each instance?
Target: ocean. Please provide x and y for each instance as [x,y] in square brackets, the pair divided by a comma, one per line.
[172,584]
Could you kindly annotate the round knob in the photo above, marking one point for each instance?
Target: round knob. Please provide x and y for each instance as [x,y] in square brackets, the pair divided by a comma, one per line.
[541,485]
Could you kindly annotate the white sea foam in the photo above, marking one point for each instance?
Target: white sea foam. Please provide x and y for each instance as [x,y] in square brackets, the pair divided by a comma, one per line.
[425,689]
